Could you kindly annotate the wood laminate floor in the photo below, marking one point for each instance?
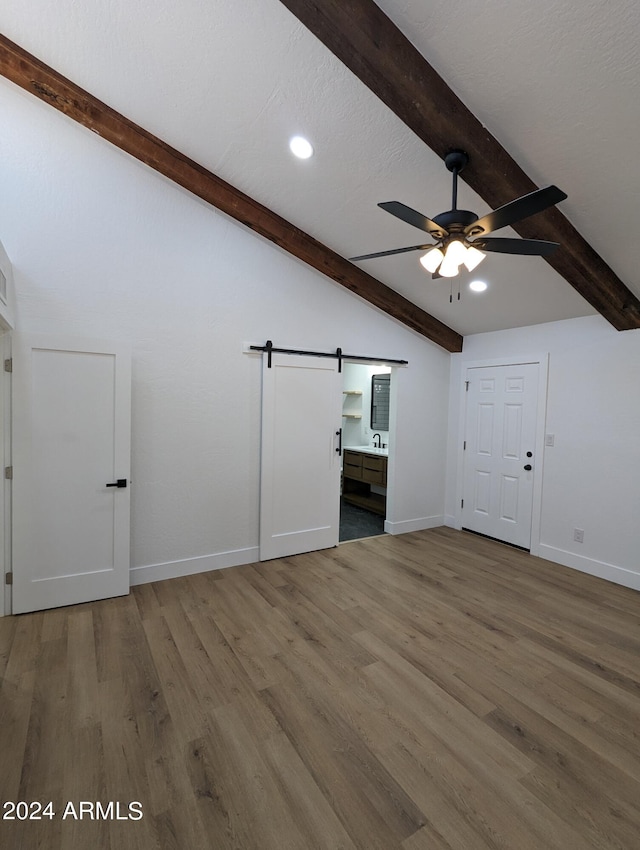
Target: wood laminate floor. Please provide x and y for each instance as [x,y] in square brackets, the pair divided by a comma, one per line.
[430,691]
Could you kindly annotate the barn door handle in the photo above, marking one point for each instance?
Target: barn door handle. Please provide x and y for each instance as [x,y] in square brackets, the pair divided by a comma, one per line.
[121,482]
[339,436]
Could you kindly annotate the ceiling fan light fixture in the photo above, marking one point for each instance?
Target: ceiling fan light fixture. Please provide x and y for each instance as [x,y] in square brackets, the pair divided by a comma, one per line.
[456,251]
[432,259]
[448,268]
[454,231]
[473,258]
[453,257]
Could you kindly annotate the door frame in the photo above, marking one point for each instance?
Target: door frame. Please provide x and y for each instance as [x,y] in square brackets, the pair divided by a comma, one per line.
[5,484]
[393,429]
[542,361]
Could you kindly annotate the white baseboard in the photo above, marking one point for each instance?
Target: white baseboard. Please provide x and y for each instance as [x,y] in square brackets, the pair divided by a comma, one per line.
[451,522]
[610,572]
[409,525]
[191,566]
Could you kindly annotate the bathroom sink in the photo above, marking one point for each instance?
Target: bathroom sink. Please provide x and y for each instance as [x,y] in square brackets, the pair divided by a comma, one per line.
[371,450]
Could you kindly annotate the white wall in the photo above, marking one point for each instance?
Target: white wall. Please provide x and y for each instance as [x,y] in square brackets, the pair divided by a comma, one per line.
[591,476]
[102,246]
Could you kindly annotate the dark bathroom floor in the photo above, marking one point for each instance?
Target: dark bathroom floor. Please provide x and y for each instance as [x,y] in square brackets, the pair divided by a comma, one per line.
[357,522]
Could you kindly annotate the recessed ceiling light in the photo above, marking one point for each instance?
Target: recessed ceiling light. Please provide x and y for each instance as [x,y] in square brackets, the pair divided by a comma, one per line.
[478,285]
[300,147]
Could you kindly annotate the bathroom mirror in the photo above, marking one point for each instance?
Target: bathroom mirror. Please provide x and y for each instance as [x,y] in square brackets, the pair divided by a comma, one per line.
[380,385]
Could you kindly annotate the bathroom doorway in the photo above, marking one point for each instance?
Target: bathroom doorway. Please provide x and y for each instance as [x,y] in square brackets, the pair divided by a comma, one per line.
[365,440]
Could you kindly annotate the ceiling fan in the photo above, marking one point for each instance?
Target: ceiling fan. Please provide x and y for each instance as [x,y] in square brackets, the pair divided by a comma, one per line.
[460,234]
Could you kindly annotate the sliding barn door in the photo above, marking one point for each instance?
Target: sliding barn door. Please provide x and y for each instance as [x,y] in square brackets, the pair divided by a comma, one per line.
[499,462]
[300,469]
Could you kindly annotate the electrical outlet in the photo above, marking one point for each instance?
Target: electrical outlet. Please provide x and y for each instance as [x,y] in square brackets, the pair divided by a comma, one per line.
[578,535]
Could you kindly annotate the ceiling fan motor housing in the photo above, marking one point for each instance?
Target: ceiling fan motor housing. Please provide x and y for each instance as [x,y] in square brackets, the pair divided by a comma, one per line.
[455,221]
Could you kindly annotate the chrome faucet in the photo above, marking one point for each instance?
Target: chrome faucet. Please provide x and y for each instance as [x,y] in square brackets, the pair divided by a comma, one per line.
[379,446]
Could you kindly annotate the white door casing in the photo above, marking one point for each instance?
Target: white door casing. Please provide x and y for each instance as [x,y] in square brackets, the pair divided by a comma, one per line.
[500,431]
[300,467]
[5,485]
[71,438]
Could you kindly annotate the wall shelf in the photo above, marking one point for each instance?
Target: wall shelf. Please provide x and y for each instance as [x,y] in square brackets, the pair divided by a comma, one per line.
[352,404]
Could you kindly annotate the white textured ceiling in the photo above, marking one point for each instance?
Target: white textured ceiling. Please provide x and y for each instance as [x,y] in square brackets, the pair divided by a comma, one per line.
[229,82]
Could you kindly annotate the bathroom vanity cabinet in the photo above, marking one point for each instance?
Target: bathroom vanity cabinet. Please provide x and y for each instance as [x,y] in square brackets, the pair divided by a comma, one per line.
[359,471]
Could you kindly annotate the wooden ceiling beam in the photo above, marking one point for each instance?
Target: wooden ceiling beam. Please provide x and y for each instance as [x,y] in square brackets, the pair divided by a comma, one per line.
[375,50]
[34,76]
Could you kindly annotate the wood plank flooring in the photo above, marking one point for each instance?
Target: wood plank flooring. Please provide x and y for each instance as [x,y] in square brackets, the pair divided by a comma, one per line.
[431,691]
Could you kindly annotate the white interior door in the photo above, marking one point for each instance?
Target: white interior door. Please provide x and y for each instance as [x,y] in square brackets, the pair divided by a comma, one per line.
[300,475]
[500,441]
[71,443]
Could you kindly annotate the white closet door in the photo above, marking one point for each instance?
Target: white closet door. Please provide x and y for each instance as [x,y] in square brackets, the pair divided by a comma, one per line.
[71,441]
[300,470]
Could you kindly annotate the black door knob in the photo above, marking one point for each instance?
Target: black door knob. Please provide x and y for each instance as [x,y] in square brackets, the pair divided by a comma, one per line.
[528,467]
[529,454]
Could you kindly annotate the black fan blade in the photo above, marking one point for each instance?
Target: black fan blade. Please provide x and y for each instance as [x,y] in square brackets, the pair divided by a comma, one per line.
[389,253]
[516,210]
[410,216]
[529,247]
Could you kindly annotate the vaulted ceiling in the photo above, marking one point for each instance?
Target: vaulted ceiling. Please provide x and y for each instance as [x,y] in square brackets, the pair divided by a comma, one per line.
[536,95]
